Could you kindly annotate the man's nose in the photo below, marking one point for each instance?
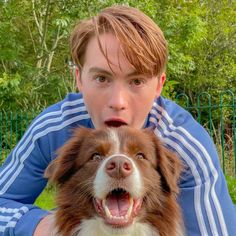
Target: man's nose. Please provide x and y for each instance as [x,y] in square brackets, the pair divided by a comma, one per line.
[118,98]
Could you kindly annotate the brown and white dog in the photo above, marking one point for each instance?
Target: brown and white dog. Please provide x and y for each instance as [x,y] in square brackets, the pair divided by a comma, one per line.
[116,181]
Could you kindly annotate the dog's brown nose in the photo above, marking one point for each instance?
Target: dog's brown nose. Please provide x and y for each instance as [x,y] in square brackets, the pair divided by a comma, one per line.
[119,167]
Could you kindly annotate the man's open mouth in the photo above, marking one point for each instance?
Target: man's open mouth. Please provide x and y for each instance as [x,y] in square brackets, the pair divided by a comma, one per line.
[115,123]
[118,208]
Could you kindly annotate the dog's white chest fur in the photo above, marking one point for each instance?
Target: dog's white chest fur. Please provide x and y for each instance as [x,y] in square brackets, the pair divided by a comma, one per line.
[95,227]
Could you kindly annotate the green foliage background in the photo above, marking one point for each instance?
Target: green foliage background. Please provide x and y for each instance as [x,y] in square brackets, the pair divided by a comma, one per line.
[34,52]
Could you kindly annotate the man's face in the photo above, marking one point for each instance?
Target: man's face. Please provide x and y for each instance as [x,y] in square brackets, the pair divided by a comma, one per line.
[118,95]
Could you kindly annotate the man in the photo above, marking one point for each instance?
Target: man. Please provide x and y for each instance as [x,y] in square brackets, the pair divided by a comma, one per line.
[121,56]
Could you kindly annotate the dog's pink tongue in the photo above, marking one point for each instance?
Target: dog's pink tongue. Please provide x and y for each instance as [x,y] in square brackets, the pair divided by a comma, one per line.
[118,204]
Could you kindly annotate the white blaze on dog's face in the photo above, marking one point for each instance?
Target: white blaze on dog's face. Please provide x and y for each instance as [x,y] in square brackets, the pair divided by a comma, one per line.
[105,179]
[117,174]
[118,185]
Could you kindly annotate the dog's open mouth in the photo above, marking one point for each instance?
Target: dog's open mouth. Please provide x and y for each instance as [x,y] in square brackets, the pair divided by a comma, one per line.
[118,208]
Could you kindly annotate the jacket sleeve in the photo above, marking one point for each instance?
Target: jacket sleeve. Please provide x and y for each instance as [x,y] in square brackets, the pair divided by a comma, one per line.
[204,198]
[21,176]
[21,181]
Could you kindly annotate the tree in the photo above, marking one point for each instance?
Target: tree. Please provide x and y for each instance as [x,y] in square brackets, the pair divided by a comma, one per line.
[34,45]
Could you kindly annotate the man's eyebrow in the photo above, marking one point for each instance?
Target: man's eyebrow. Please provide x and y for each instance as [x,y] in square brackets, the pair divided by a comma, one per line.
[134,73]
[100,70]
[105,72]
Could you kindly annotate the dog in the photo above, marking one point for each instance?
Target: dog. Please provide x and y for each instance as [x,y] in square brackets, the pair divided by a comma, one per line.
[116,181]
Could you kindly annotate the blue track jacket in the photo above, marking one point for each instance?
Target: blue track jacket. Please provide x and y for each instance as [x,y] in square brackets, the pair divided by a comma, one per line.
[204,198]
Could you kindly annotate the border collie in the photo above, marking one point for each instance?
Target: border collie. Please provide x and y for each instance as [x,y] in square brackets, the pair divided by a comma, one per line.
[116,181]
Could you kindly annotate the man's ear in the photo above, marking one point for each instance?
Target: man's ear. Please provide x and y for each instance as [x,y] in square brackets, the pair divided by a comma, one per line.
[160,84]
[78,78]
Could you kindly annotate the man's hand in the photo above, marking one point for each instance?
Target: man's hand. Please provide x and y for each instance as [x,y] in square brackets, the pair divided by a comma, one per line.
[45,227]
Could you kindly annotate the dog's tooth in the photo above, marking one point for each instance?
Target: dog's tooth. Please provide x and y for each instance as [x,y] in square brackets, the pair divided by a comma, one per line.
[118,217]
[104,203]
[130,208]
[107,211]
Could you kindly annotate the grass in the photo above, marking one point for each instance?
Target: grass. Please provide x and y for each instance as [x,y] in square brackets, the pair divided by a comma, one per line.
[231,181]
[46,199]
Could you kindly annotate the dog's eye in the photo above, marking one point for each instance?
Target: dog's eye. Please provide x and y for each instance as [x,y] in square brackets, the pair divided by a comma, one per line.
[96,157]
[140,156]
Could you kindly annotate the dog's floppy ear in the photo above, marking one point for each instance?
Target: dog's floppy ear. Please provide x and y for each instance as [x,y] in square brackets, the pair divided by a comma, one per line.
[170,168]
[64,166]
[169,165]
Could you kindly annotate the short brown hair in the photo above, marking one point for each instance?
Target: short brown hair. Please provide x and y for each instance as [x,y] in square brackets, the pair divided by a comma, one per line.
[142,41]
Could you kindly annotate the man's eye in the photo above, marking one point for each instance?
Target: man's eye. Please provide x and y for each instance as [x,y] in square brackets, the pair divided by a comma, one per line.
[101,79]
[137,82]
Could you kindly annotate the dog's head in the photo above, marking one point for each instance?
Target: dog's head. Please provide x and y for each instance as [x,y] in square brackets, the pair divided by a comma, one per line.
[115,173]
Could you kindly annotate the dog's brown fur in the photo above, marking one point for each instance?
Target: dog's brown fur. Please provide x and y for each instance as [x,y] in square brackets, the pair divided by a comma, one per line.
[74,172]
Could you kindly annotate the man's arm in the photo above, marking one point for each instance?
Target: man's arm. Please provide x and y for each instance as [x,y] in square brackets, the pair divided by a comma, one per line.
[204,198]
[205,189]
[21,181]
[45,227]
[207,206]
[21,176]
